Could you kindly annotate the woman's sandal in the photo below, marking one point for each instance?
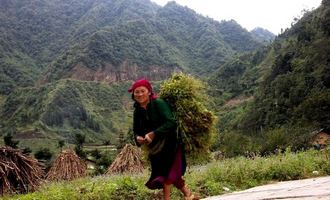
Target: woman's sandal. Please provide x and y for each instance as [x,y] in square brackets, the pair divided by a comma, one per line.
[191,197]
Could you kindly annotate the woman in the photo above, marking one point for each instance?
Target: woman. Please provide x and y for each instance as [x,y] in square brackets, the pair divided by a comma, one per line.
[155,127]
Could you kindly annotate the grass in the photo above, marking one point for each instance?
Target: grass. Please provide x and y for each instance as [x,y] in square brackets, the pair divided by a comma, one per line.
[207,180]
[2,100]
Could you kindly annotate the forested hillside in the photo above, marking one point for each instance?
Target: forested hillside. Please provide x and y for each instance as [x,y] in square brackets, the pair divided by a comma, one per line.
[263,35]
[175,38]
[66,107]
[296,88]
[114,38]
[65,65]
[282,93]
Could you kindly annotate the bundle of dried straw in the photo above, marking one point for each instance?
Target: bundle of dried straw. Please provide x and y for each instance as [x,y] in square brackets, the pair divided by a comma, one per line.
[19,173]
[67,166]
[129,160]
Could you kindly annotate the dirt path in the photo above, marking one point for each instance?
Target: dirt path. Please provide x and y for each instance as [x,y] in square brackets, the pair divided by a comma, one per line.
[307,189]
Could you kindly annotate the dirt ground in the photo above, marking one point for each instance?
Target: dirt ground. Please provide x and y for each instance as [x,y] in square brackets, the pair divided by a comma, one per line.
[306,189]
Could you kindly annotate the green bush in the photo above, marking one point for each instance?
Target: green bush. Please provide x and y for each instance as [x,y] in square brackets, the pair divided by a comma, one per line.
[43,154]
[234,144]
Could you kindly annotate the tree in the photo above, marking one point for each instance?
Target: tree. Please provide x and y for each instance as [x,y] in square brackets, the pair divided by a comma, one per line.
[106,142]
[79,141]
[27,151]
[43,154]
[8,139]
[61,144]
[96,154]
[121,141]
[130,137]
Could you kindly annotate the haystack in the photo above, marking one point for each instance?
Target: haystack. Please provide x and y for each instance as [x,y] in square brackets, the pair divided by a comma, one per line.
[19,173]
[67,166]
[128,160]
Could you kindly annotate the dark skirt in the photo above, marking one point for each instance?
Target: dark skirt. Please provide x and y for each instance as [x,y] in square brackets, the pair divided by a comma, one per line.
[167,169]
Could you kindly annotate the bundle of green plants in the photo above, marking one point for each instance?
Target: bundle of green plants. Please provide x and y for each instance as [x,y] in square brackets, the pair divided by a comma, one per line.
[186,96]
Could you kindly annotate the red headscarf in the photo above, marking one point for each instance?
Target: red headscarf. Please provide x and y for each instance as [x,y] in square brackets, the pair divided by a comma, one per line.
[145,83]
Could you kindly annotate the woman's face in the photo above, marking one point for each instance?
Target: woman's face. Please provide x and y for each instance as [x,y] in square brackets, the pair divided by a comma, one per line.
[141,95]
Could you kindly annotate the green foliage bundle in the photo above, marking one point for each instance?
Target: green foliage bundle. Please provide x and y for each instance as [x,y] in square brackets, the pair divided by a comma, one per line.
[185,95]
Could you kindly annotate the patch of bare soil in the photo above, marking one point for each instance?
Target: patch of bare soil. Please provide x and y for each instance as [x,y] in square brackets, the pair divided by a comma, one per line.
[30,134]
[237,101]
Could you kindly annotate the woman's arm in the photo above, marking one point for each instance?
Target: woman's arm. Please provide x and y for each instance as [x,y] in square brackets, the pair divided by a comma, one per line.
[137,138]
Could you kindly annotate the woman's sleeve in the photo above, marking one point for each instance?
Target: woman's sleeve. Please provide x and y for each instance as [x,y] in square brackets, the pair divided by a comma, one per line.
[135,127]
[167,116]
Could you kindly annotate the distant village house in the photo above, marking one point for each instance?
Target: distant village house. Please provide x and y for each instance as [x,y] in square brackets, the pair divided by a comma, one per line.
[321,139]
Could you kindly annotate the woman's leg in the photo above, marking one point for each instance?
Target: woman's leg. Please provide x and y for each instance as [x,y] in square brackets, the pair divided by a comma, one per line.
[188,195]
[167,191]
[186,191]
[181,185]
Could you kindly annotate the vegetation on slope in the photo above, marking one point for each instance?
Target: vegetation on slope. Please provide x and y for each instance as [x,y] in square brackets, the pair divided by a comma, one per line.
[46,41]
[289,85]
[67,107]
[296,88]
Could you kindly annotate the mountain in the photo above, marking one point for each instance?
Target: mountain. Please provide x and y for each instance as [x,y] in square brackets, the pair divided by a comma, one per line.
[65,64]
[65,67]
[240,75]
[296,87]
[174,38]
[279,93]
[40,31]
[117,39]
[262,35]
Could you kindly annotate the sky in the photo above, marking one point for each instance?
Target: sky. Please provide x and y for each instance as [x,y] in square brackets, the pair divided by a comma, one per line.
[272,15]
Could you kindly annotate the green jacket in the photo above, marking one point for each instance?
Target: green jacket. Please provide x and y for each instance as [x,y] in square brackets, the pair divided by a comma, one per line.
[157,117]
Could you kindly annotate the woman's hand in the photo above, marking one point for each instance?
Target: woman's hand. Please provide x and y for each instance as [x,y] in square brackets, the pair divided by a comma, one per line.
[149,137]
[140,140]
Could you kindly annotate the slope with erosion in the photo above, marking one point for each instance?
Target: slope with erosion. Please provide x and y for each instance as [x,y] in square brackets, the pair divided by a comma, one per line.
[174,38]
[61,109]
